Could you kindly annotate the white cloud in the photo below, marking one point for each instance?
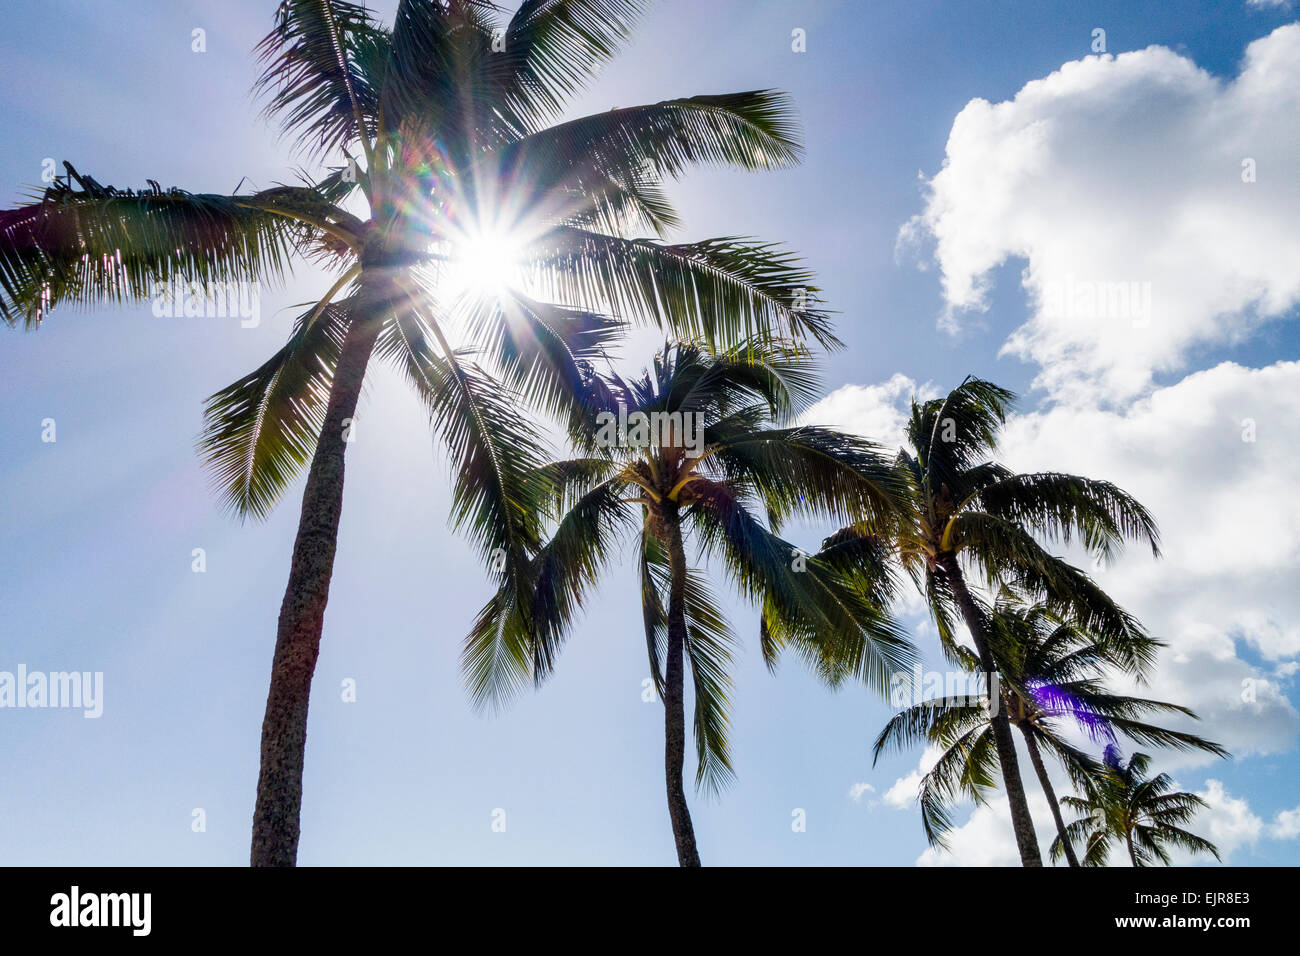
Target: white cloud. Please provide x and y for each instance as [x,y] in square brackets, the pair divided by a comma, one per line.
[903,794]
[860,790]
[879,411]
[906,790]
[1227,823]
[1127,169]
[986,838]
[1286,825]
[1229,513]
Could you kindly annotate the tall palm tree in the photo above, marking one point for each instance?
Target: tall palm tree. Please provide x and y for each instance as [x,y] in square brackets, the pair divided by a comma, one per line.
[966,509]
[1050,680]
[447,167]
[726,457]
[1122,804]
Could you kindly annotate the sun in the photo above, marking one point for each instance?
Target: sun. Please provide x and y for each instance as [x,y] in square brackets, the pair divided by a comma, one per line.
[484,262]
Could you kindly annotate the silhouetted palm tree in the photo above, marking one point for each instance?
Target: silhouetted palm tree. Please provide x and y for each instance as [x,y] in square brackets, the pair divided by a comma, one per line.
[964,506]
[443,126]
[1123,805]
[1050,681]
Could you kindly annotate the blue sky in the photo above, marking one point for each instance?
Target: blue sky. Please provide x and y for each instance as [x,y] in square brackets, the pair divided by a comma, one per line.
[99,526]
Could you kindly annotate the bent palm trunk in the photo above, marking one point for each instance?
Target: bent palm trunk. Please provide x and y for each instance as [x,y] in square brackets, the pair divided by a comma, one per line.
[302,613]
[674,698]
[1021,821]
[1036,759]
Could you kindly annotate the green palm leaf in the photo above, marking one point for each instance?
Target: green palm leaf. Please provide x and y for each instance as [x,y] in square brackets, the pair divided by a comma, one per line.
[259,432]
[93,246]
[722,291]
[323,64]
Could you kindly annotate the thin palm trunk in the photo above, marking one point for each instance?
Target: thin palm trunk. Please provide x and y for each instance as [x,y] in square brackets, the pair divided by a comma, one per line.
[302,613]
[1036,759]
[674,697]
[1132,854]
[1021,821]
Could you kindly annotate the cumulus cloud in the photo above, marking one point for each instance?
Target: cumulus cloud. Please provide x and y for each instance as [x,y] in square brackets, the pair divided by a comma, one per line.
[1286,825]
[1214,458]
[1228,823]
[1119,180]
[879,411]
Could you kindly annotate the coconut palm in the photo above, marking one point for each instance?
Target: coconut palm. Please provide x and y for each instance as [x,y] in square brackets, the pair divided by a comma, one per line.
[447,175]
[968,513]
[1051,686]
[1123,805]
[725,457]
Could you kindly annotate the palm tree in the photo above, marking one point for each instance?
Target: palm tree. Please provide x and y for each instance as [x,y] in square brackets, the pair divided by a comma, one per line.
[1146,814]
[1050,679]
[724,457]
[439,125]
[964,506]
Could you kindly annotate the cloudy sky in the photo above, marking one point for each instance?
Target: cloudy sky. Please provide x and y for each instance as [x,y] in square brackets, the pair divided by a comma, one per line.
[1113,234]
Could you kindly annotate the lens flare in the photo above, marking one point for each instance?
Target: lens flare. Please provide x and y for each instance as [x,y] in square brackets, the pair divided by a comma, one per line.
[484,262]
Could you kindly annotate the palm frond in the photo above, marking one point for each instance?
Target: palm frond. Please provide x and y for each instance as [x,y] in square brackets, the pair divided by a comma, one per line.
[607,168]
[1006,551]
[810,471]
[259,432]
[498,499]
[323,70]
[723,291]
[99,245]
[1062,506]
[550,48]
[837,627]
[547,353]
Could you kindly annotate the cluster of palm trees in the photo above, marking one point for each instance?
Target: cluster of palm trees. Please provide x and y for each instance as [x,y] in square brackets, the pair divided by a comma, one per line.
[445,129]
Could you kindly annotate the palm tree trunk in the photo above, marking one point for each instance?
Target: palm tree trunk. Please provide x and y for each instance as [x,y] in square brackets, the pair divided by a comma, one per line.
[1132,854]
[674,697]
[1036,759]
[302,613]
[1021,821]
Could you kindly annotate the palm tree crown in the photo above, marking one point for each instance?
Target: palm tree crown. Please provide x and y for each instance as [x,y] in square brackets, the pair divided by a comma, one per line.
[1123,805]
[1051,675]
[964,510]
[967,506]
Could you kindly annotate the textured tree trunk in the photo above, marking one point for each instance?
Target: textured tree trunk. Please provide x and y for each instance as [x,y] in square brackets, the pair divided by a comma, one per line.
[1036,759]
[1132,854]
[1021,821]
[302,613]
[674,698]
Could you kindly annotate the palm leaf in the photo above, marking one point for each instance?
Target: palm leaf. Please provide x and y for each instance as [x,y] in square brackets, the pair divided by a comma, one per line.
[98,245]
[724,291]
[323,69]
[260,431]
